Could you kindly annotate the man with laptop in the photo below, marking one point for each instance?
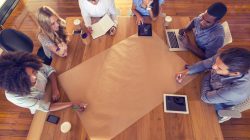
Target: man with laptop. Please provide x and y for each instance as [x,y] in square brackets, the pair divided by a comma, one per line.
[228,81]
[209,33]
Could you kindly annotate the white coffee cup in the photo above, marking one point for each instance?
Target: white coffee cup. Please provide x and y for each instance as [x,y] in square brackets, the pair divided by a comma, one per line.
[77,22]
[168,20]
[65,127]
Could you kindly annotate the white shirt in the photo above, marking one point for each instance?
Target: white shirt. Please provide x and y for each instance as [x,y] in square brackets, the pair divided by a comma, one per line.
[35,100]
[103,7]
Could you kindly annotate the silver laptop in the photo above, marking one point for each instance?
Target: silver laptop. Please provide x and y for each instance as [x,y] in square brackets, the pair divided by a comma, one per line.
[173,41]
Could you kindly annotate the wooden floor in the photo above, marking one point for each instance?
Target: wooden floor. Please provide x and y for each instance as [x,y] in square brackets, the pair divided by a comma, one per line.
[15,121]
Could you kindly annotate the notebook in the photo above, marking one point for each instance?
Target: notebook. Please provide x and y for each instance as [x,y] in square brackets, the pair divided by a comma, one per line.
[102,26]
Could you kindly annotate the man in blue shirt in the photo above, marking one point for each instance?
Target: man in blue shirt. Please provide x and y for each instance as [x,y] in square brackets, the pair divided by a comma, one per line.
[228,80]
[209,33]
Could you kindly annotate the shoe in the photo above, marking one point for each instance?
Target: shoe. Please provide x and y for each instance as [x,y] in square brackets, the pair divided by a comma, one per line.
[223,119]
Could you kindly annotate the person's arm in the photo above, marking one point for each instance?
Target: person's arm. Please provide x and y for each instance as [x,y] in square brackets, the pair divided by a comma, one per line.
[112,10]
[151,12]
[75,105]
[202,66]
[50,73]
[205,85]
[228,93]
[188,28]
[196,68]
[139,18]
[60,50]
[213,46]
[149,9]
[195,50]
[60,106]
[85,14]
[54,87]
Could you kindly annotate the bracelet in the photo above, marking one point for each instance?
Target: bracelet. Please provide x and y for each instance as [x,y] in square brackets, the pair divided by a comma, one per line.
[57,49]
[148,8]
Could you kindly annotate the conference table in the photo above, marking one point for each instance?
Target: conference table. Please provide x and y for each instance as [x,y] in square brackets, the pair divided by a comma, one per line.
[200,124]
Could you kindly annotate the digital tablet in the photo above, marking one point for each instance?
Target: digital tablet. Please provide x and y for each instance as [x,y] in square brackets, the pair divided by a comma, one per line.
[175,103]
[145,29]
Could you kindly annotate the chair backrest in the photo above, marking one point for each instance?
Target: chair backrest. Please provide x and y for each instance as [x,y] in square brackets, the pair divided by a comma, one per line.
[13,40]
[243,106]
[235,111]
[228,37]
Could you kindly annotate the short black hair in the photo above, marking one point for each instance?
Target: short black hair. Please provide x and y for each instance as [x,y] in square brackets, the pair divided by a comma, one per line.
[217,10]
[237,59]
[13,76]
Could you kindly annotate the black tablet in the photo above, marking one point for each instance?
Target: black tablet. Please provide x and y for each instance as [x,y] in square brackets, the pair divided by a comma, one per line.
[145,29]
[175,103]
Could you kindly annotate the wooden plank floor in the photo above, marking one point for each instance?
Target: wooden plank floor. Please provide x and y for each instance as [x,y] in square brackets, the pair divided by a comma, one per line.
[15,121]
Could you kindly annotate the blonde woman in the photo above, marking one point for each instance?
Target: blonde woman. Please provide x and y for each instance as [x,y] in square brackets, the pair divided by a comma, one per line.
[52,35]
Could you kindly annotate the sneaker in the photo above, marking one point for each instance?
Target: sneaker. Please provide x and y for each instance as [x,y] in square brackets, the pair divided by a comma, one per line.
[223,119]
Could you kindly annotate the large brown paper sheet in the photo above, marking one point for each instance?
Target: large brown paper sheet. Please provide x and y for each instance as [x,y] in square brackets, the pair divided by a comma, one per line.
[122,84]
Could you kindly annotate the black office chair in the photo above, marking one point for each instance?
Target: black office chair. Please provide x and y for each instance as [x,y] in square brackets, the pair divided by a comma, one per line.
[13,40]
[42,55]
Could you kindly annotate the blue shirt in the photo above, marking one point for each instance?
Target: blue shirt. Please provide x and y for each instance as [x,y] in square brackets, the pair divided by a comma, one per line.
[209,40]
[142,11]
[218,89]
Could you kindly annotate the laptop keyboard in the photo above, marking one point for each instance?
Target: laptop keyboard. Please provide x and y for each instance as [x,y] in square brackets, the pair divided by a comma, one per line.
[173,40]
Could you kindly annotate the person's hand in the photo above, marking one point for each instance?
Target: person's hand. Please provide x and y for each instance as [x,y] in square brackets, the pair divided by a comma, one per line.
[55,95]
[112,30]
[89,30]
[78,106]
[184,39]
[63,48]
[181,76]
[182,31]
[149,3]
[139,20]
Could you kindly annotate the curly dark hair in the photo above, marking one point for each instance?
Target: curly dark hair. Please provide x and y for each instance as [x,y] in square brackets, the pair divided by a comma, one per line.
[13,76]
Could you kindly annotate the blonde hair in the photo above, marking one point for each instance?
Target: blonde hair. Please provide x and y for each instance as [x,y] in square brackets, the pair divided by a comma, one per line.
[43,18]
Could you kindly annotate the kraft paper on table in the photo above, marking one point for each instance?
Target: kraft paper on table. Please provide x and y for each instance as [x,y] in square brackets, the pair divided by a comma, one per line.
[122,84]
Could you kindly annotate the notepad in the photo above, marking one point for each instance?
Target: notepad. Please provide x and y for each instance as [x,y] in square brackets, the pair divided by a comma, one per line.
[102,26]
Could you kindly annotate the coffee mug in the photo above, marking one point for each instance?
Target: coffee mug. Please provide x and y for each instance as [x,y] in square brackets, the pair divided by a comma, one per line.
[168,20]
[65,127]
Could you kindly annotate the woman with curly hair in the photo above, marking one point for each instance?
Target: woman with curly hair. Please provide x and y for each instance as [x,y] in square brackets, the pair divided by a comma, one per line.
[52,35]
[24,79]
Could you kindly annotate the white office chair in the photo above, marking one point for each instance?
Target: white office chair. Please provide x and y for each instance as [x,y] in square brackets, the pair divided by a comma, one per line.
[228,37]
[235,111]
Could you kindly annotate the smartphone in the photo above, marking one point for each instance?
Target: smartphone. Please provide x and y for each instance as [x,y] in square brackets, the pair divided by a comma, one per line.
[77,32]
[53,119]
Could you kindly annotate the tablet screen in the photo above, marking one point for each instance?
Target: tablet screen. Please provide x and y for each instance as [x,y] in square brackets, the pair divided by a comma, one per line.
[175,103]
[145,30]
